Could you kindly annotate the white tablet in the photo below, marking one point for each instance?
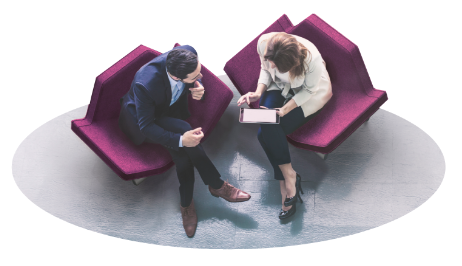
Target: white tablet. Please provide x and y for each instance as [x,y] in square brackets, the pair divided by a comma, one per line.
[260,116]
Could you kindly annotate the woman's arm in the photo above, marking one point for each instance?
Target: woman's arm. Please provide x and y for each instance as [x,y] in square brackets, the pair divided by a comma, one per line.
[261,88]
[289,106]
[310,86]
[263,81]
[312,77]
[250,97]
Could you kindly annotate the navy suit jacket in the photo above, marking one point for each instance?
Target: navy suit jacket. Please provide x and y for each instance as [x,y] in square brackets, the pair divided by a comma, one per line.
[149,99]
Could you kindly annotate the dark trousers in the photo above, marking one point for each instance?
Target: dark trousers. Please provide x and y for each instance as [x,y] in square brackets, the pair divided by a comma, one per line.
[186,158]
[272,137]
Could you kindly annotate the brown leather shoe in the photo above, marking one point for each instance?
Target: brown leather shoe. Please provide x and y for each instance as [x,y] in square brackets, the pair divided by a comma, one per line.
[189,219]
[229,193]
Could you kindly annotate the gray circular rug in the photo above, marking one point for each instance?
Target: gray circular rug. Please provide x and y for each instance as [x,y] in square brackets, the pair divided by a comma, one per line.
[384,170]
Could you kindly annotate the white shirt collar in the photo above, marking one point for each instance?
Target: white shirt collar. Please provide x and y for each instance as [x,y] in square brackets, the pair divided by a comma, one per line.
[172,81]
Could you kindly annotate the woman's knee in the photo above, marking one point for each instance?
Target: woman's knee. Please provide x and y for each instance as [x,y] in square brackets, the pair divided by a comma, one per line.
[259,135]
[272,99]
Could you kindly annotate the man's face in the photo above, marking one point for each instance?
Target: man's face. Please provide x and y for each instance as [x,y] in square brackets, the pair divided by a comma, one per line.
[195,75]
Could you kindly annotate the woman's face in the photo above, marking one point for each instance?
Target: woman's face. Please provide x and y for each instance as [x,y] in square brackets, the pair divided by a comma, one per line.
[272,64]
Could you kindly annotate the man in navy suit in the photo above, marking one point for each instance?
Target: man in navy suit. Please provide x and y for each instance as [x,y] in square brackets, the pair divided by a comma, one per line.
[154,110]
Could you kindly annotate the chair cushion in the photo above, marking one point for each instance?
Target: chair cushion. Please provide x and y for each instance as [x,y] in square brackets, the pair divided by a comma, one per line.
[126,159]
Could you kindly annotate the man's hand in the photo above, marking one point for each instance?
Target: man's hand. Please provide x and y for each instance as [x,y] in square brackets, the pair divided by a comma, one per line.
[197,91]
[193,137]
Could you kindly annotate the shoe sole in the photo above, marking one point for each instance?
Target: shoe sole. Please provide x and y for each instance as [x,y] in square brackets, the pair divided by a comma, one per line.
[285,217]
[216,196]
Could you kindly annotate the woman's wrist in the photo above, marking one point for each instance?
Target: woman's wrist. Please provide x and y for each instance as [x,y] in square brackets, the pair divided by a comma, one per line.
[289,106]
[260,89]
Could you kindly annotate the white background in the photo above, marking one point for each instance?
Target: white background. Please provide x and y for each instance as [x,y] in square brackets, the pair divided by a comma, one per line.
[52,51]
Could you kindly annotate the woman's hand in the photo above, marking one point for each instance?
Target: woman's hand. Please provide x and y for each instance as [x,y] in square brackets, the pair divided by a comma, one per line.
[280,111]
[248,98]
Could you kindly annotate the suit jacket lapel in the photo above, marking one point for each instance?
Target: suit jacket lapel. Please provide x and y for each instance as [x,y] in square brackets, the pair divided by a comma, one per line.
[168,87]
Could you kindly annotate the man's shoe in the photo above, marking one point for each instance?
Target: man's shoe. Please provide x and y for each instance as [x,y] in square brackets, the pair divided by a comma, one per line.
[229,193]
[189,219]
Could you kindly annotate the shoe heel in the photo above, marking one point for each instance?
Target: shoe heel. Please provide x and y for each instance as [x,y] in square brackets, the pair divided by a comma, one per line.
[299,183]
[214,195]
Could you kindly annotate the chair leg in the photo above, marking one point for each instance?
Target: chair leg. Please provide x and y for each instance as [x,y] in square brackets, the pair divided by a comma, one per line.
[138,181]
[322,155]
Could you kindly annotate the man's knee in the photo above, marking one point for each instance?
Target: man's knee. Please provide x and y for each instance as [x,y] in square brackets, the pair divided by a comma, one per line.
[185,126]
[174,125]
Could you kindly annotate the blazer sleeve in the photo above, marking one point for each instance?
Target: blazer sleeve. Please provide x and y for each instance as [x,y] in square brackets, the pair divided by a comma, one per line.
[145,111]
[265,76]
[310,85]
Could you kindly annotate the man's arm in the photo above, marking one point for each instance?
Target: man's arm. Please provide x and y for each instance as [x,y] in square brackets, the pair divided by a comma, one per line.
[190,48]
[145,110]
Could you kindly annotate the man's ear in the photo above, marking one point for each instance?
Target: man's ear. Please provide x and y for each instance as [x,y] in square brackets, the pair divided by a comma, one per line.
[172,76]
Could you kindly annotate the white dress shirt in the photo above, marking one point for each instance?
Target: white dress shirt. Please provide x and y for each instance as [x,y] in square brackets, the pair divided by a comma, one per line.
[177,88]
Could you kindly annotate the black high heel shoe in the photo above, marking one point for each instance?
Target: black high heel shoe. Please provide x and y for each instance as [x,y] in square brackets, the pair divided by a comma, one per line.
[286,214]
[298,187]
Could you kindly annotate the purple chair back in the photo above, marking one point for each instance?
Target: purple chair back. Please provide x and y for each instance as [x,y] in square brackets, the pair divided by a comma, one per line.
[244,68]
[113,83]
[342,57]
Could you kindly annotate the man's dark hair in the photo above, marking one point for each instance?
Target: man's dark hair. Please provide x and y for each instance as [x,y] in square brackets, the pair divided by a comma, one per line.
[181,62]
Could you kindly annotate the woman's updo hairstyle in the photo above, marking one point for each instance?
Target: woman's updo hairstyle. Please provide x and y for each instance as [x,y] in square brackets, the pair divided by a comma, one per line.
[287,54]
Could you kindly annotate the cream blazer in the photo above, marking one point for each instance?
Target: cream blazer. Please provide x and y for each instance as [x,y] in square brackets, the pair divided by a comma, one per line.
[312,90]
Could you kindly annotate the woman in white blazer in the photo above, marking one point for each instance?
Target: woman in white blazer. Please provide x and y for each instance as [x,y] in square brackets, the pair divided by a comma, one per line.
[293,80]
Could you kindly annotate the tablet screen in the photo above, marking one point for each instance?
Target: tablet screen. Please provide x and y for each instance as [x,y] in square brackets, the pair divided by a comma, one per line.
[259,116]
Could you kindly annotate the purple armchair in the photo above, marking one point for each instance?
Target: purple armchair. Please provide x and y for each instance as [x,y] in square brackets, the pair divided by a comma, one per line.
[354,98]
[99,128]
